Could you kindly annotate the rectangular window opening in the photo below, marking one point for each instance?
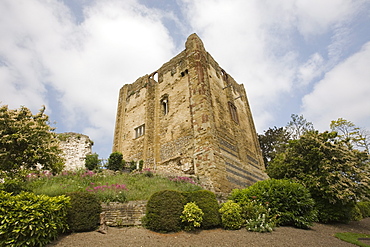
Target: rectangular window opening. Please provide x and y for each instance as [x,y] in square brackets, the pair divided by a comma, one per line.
[140,131]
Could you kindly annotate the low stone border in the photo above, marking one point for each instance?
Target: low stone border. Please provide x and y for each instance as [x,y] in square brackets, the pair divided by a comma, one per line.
[124,214]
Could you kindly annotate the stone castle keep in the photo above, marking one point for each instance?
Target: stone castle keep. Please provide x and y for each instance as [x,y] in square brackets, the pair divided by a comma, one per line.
[190,118]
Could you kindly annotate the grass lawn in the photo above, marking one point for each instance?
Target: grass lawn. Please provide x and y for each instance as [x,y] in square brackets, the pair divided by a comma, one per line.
[109,186]
[353,238]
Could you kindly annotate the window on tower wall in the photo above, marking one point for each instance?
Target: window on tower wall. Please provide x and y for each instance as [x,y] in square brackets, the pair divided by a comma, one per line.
[140,131]
[233,112]
[164,105]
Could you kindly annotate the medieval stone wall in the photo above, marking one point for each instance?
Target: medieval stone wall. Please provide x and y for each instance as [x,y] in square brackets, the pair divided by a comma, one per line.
[75,147]
[197,121]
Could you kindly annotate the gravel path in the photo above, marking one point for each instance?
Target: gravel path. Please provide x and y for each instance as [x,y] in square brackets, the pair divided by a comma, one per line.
[319,235]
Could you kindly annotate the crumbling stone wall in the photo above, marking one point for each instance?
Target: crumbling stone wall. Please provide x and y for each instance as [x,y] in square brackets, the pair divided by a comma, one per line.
[197,121]
[75,147]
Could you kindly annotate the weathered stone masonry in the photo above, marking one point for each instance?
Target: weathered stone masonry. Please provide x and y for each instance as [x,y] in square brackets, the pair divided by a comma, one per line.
[190,118]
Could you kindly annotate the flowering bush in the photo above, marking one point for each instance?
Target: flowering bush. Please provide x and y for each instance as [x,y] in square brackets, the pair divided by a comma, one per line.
[261,223]
[192,216]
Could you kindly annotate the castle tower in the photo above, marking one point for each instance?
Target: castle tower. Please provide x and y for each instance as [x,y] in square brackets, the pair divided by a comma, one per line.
[190,118]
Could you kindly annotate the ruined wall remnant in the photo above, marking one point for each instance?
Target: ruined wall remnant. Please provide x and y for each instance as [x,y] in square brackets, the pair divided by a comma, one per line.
[190,118]
[75,147]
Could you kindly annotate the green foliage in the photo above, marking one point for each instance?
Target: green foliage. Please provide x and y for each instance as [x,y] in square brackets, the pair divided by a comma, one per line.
[141,164]
[115,161]
[364,208]
[231,215]
[350,134]
[298,126]
[206,200]
[163,211]
[355,213]
[27,140]
[291,201]
[92,162]
[13,185]
[272,142]
[84,213]
[192,216]
[31,220]
[352,238]
[132,166]
[335,175]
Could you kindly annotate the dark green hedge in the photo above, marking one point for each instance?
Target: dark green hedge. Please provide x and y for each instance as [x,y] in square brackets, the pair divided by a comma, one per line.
[163,211]
[84,214]
[206,200]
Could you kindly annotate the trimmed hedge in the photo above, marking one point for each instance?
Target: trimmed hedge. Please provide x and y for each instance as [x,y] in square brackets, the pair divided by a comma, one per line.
[31,220]
[84,213]
[291,201]
[163,211]
[206,200]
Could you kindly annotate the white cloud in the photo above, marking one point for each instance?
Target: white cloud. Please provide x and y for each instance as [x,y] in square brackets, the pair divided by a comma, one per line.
[343,93]
[254,42]
[311,69]
[41,46]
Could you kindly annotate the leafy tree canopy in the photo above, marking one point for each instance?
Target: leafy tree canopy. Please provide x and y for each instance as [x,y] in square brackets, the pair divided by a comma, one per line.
[272,142]
[352,135]
[298,126]
[326,166]
[27,141]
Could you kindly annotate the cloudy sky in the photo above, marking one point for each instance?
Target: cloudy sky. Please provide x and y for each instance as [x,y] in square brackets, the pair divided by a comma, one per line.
[309,57]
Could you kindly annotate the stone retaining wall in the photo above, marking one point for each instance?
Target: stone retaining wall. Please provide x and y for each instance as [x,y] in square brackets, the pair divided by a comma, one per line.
[124,214]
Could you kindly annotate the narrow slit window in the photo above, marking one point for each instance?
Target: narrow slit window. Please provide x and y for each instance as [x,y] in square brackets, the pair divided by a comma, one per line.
[233,112]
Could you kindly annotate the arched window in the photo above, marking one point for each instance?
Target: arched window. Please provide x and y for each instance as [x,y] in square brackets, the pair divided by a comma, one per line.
[165,105]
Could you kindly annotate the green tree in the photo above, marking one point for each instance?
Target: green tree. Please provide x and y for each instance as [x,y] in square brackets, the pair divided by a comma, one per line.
[352,135]
[272,142]
[27,141]
[335,175]
[92,161]
[298,126]
[115,161]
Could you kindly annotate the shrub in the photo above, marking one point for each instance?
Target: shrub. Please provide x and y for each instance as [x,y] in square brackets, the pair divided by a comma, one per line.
[84,213]
[192,216]
[31,220]
[261,223]
[163,211]
[115,161]
[364,208]
[206,200]
[132,166]
[355,213]
[14,186]
[291,201]
[333,212]
[231,217]
[92,161]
